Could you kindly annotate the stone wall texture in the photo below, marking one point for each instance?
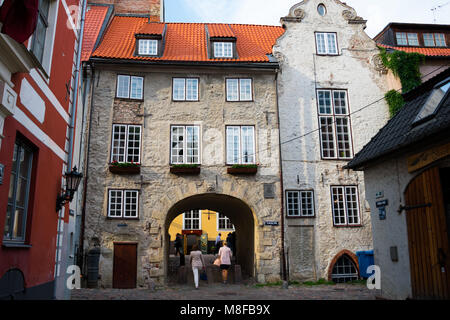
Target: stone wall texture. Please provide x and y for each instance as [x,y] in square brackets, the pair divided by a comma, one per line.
[356,70]
[160,190]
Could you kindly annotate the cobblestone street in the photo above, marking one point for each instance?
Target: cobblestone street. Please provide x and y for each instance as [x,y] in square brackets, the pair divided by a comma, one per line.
[231,292]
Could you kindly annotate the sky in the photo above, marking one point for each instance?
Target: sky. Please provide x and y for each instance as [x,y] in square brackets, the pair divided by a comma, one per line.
[378,13]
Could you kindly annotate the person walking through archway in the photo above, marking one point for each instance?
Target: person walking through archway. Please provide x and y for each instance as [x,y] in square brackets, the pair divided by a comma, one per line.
[179,248]
[197,263]
[225,261]
[218,242]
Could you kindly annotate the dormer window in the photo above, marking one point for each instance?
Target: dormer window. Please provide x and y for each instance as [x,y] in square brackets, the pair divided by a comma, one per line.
[223,49]
[148,47]
[150,40]
[434,101]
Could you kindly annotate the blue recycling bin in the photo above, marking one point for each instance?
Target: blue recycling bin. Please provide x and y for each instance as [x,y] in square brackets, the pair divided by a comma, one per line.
[365,259]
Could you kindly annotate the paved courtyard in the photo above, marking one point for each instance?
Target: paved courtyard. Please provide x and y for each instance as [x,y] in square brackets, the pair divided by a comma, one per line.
[231,292]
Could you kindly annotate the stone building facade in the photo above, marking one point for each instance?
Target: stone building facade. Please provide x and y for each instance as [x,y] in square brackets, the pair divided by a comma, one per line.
[136,209]
[331,88]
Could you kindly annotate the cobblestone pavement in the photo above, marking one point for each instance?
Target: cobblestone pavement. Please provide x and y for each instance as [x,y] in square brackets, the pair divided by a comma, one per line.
[231,292]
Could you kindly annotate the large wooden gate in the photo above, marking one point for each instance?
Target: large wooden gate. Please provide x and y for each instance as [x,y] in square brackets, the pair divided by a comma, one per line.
[427,237]
[125,265]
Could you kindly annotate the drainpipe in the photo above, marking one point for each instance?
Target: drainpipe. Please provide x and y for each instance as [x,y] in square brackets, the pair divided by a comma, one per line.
[283,252]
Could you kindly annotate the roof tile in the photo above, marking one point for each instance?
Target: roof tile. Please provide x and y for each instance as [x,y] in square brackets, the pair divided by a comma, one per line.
[92,25]
[430,52]
[187,41]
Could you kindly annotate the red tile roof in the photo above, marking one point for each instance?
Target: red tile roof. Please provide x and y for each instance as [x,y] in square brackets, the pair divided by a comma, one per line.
[187,41]
[92,25]
[430,52]
[220,31]
[152,29]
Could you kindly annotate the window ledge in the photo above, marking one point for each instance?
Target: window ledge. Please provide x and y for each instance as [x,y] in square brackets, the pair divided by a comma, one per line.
[242,170]
[7,244]
[124,170]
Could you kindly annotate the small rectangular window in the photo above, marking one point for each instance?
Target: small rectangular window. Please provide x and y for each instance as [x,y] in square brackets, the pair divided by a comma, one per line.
[345,205]
[40,33]
[334,121]
[192,220]
[148,47]
[401,39]
[185,89]
[19,191]
[123,204]
[413,40]
[300,203]
[240,144]
[440,39]
[239,89]
[126,143]
[223,223]
[223,49]
[185,145]
[428,40]
[326,43]
[129,87]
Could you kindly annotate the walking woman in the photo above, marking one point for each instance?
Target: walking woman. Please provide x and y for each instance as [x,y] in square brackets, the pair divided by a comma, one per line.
[225,261]
[197,263]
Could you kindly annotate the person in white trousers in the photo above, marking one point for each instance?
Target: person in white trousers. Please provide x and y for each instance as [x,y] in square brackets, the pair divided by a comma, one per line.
[197,263]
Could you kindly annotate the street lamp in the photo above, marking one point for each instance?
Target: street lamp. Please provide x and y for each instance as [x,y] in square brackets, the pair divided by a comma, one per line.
[73,179]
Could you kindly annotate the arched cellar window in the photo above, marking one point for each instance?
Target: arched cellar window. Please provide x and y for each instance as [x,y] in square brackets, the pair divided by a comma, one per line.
[344,270]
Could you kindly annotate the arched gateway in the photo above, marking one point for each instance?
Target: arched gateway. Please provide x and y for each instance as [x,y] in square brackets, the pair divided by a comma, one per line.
[239,212]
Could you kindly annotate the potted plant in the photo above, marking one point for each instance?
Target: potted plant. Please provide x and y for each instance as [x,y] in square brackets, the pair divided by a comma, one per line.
[185,168]
[243,169]
[125,167]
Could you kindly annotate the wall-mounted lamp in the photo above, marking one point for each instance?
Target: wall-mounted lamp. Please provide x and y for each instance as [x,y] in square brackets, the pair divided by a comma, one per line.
[73,179]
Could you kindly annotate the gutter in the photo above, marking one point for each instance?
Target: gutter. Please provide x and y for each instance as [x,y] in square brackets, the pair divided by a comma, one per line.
[262,65]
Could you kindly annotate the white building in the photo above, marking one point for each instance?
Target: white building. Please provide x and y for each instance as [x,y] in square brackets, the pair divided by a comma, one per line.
[331,88]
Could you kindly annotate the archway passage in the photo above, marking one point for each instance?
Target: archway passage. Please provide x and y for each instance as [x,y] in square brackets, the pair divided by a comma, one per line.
[235,209]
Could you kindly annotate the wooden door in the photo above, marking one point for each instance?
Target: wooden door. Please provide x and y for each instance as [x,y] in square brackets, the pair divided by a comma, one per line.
[125,265]
[427,237]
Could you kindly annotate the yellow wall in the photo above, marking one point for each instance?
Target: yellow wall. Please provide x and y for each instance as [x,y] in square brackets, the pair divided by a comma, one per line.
[209,226]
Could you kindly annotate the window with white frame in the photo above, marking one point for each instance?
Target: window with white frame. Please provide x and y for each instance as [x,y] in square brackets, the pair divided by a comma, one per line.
[326,43]
[345,202]
[148,47]
[224,223]
[192,220]
[223,49]
[300,203]
[126,143]
[123,204]
[185,145]
[240,144]
[129,87]
[239,89]
[334,121]
[40,33]
[185,89]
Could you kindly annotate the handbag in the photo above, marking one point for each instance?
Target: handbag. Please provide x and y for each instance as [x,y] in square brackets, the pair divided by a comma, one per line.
[217,262]
[203,276]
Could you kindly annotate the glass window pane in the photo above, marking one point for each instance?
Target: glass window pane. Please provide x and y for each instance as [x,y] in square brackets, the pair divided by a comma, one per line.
[440,39]
[177,145]
[233,144]
[332,48]
[123,86]
[179,89]
[320,42]
[401,39]
[118,149]
[148,47]
[413,40]
[428,39]
[248,146]
[232,89]
[324,100]
[245,89]
[192,89]
[136,87]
